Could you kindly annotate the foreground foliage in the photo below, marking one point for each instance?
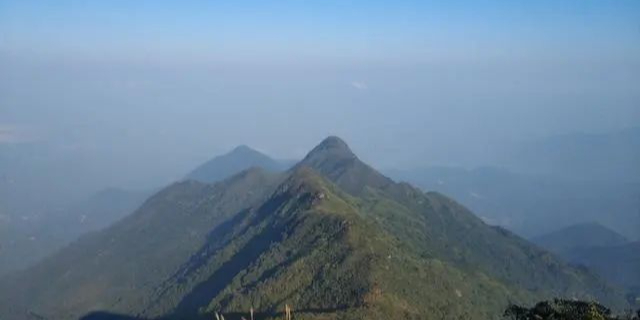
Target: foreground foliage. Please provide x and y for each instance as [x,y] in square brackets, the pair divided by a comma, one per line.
[560,309]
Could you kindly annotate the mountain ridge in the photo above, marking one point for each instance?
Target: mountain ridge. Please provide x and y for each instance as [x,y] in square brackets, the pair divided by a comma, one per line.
[331,236]
[603,251]
[588,234]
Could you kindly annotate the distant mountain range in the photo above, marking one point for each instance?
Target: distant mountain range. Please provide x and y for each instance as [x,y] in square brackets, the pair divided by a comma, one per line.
[533,205]
[26,239]
[600,249]
[331,236]
[583,235]
[619,264]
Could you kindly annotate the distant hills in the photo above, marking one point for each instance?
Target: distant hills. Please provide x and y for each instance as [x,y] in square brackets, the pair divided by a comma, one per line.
[602,250]
[583,235]
[553,182]
[331,236]
[238,159]
[26,239]
[619,264]
[532,205]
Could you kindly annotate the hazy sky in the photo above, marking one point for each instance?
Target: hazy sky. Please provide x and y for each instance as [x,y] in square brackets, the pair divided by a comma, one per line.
[145,90]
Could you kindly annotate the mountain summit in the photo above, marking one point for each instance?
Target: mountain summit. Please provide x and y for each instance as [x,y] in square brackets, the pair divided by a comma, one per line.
[331,236]
[334,159]
[240,158]
[332,146]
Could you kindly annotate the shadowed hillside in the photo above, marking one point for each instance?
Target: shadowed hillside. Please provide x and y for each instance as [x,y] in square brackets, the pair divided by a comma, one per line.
[577,236]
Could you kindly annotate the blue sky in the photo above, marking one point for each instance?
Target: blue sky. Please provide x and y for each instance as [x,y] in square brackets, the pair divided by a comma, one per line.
[145,90]
[259,31]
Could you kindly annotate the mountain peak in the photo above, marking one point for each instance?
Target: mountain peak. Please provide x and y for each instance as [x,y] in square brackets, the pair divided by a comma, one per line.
[333,159]
[243,148]
[331,147]
[334,142]
[240,158]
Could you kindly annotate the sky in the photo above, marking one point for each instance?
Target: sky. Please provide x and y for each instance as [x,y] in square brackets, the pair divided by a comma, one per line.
[142,91]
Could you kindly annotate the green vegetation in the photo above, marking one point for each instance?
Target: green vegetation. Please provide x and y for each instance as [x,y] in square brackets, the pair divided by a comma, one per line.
[559,309]
[618,264]
[584,235]
[601,250]
[331,237]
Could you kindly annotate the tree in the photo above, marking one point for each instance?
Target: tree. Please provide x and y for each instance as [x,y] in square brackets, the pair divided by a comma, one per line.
[559,309]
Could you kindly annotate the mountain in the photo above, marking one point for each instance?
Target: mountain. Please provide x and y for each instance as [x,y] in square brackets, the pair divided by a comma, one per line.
[584,235]
[533,205]
[619,264]
[600,249]
[331,236]
[50,194]
[240,158]
[28,239]
[103,208]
